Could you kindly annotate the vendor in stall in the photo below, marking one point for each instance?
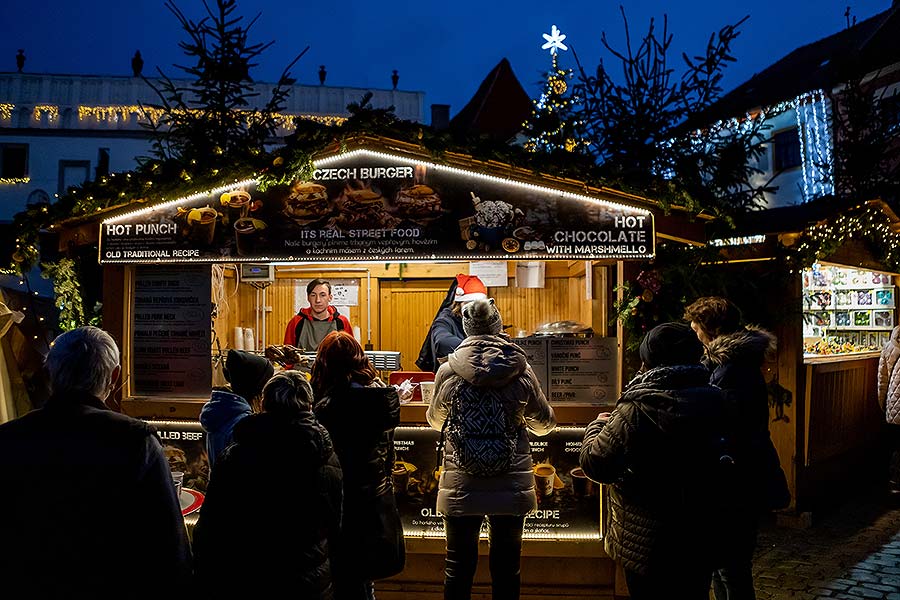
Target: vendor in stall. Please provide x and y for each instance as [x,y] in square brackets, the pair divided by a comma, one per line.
[446,332]
[312,324]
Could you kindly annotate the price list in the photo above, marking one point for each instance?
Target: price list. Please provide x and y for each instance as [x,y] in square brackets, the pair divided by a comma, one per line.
[171,331]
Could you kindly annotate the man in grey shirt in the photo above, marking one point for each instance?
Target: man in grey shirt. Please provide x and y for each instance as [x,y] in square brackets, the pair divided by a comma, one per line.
[310,326]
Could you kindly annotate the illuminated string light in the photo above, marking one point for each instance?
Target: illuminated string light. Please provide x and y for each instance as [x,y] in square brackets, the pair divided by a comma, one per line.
[211,194]
[6,110]
[51,110]
[14,180]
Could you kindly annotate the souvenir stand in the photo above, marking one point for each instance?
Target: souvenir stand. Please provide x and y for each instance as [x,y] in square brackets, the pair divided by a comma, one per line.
[831,319]
[390,226]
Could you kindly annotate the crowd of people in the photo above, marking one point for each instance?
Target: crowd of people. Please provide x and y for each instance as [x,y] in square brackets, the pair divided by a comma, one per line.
[686,452]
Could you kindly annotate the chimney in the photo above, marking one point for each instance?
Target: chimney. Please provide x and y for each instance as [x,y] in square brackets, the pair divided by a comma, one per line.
[440,116]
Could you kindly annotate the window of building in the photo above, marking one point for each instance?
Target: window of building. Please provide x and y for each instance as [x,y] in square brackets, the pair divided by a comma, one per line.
[786,149]
[890,111]
[72,173]
[102,163]
[13,161]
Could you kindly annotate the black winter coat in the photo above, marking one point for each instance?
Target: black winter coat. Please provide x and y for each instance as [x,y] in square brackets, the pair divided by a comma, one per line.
[446,335]
[736,362]
[88,505]
[272,507]
[361,421]
[654,450]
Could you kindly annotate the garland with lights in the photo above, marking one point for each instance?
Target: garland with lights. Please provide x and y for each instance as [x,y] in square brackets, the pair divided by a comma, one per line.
[864,223]
[67,291]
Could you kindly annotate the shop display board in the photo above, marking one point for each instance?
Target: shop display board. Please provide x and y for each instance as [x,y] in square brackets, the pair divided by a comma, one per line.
[568,502]
[171,331]
[574,370]
[184,444]
[364,205]
[847,310]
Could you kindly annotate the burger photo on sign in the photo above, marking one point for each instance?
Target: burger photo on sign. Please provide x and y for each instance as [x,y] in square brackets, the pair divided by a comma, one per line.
[307,202]
[418,203]
[363,207]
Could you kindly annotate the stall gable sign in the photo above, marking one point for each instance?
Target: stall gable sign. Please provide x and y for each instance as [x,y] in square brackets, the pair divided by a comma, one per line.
[364,205]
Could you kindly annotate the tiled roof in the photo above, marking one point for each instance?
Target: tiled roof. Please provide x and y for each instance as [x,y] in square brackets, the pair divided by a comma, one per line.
[498,108]
[855,51]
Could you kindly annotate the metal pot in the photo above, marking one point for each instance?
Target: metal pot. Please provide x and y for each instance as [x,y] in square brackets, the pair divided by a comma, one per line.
[567,329]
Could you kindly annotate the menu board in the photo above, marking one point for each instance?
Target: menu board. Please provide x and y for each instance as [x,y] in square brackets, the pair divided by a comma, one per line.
[184,444]
[536,349]
[568,502]
[583,370]
[171,330]
[375,206]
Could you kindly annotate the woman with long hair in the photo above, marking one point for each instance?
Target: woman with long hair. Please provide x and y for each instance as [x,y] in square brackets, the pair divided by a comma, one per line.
[360,413]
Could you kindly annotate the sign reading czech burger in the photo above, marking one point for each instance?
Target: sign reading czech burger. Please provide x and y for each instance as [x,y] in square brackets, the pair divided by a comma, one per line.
[364,205]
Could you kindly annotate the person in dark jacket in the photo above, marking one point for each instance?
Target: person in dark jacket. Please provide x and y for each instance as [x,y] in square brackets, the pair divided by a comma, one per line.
[446,331]
[89,508]
[246,547]
[737,356]
[247,373]
[668,499]
[498,376]
[360,413]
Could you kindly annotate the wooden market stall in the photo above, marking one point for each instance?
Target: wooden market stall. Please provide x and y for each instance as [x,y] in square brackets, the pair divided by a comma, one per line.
[390,228]
[831,319]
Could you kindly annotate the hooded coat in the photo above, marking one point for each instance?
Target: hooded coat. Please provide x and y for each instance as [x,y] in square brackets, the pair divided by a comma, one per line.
[663,503]
[218,418]
[491,362]
[248,543]
[736,361]
[889,378]
[361,421]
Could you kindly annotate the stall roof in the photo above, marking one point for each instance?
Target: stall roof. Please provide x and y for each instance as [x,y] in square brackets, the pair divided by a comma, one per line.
[677,224]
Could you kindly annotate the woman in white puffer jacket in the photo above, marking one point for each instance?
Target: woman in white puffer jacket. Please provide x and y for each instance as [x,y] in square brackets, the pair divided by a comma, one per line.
[889,400]
[889,379]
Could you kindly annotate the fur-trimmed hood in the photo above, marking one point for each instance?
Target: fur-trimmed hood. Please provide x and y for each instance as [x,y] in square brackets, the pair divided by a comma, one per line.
[750,345]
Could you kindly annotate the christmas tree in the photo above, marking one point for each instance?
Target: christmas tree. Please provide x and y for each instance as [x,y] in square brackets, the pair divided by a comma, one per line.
[552,126]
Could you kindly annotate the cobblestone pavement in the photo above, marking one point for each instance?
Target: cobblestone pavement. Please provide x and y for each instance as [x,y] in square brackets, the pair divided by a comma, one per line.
[851,552]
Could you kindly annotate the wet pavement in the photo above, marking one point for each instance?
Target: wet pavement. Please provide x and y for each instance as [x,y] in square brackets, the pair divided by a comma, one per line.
[849,552]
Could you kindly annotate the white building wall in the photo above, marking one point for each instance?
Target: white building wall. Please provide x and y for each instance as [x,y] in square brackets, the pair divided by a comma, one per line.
[70,117]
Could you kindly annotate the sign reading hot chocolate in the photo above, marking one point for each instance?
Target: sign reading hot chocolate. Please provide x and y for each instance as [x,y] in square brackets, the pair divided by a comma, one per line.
[568,502]
[366,205]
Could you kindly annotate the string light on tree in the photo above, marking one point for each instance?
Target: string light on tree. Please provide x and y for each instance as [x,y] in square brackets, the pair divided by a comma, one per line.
[551,125]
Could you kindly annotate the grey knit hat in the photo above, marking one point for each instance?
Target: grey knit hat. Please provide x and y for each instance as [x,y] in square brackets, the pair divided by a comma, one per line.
[481,317]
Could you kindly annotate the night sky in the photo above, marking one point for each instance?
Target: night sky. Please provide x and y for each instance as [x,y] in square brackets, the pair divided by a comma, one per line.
[441,48]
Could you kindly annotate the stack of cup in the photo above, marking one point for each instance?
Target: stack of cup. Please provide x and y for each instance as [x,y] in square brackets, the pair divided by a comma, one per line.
[177,481]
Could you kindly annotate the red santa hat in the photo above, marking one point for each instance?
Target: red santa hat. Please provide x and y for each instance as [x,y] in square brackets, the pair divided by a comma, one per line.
[468,288]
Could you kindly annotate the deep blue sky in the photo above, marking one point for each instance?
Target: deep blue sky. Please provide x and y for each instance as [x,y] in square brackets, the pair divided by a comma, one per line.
[442,48]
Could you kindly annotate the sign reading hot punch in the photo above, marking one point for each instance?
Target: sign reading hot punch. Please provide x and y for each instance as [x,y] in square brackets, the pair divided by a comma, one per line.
[375,206]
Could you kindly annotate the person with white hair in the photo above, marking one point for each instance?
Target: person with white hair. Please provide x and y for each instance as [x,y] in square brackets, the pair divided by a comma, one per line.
[88,503]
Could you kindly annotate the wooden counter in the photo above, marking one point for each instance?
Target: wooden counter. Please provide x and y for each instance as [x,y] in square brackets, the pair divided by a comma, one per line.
[842,422]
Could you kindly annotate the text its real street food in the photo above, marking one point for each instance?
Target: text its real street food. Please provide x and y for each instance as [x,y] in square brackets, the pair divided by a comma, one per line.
[307,202]
[418,202]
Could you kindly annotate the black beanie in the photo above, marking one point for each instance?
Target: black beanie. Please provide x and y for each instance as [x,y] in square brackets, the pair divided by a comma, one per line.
[671,344]
[247,373]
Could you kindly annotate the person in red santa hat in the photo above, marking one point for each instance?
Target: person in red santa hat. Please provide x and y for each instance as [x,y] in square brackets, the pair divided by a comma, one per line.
[447,331]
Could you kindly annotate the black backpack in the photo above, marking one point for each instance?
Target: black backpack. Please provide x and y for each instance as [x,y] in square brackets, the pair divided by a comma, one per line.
[302,322]
[482,429]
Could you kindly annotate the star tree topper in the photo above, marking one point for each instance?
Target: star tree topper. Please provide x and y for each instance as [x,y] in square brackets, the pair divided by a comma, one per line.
[554,40]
